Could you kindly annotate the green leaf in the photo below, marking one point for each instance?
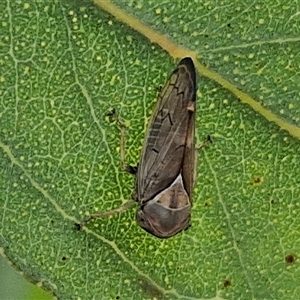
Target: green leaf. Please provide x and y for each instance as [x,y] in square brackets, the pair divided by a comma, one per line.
[15,286]
[65,64]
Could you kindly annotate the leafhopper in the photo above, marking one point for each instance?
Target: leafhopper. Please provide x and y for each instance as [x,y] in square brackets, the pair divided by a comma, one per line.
[165,175]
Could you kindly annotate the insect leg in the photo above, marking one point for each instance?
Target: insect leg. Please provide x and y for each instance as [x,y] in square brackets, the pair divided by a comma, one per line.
[205,143]
[128,204]
[198,148]
[121,124]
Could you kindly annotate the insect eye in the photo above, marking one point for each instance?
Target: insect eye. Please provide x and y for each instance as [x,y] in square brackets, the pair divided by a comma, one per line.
[140,217]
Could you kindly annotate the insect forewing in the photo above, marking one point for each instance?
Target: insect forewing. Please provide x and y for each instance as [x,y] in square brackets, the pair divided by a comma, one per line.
[165,176]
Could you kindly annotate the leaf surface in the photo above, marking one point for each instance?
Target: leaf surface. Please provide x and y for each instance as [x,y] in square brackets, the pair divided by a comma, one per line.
[65,64]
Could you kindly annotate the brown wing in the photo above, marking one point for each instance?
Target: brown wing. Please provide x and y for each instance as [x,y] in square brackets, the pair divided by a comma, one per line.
[169,143]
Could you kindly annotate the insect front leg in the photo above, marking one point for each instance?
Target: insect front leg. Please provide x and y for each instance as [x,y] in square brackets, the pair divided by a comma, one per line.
[127,168]
[205,143]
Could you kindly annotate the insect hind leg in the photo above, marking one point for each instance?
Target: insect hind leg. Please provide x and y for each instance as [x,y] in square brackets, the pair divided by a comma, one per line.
[125,206]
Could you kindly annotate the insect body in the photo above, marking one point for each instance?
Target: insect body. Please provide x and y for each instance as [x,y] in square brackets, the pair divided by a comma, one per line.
[165,174]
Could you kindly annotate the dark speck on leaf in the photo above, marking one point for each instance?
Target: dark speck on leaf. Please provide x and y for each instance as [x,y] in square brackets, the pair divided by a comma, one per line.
[290,259]
[227,283]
